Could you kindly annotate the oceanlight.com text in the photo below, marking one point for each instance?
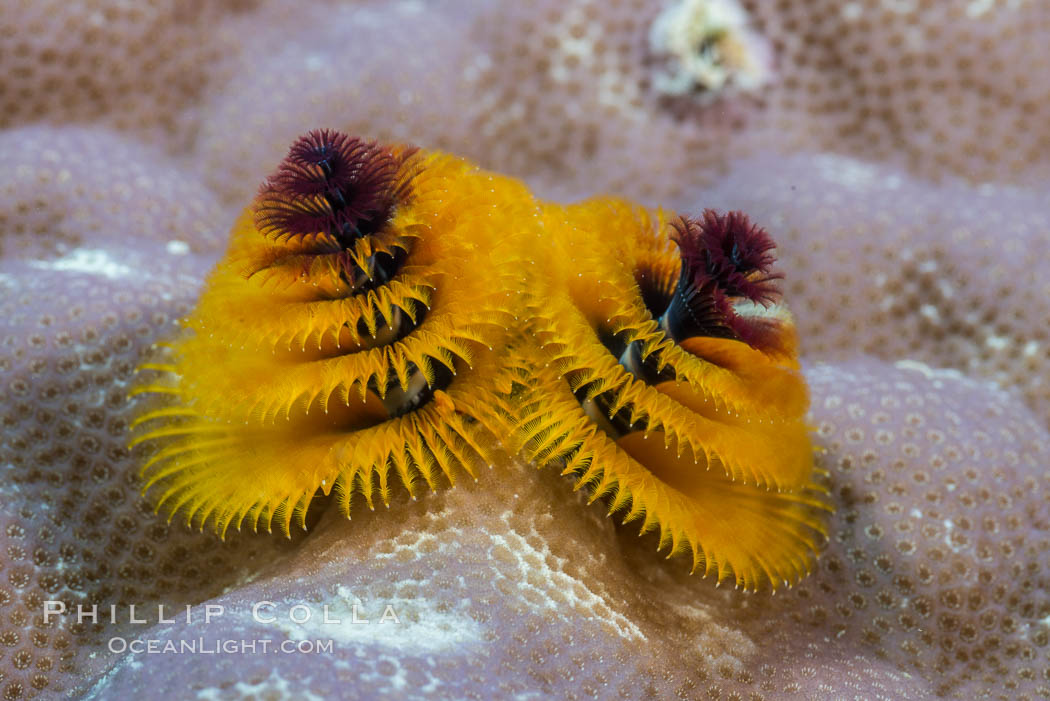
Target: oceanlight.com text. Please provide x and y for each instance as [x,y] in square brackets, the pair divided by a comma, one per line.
[200,646]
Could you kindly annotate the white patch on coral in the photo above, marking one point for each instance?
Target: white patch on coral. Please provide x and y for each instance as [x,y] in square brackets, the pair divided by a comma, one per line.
[614,92]
[931,313]
[99,688]
[851,11]
[718,645]
[949,526]
[559,594]
[997,342]
[177,248]
[708,49]
[86,260]
[928,372]
[351,621]
[976,8]
[846,171]
[407,547]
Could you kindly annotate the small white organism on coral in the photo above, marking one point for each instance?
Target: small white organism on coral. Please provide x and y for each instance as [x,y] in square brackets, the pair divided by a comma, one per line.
[707,48]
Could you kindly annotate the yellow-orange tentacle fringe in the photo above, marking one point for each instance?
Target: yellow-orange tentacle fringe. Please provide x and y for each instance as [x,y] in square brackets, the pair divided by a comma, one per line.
[717,460]
[277,387]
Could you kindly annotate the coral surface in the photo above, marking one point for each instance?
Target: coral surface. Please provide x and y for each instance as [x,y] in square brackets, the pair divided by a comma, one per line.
[897,151]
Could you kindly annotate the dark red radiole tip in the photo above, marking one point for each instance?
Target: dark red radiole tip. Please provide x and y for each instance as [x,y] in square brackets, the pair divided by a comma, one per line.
[725,259]
[330,185]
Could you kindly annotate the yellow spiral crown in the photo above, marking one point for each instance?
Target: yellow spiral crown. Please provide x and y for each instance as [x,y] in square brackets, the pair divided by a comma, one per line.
[700,437]
[333,345]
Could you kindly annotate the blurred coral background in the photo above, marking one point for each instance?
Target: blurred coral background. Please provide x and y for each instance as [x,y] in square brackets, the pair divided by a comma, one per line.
[897,150]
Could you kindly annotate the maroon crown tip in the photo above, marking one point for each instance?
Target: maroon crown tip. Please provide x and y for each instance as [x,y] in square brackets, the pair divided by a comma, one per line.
[729,250]
[329,184]
[725,258]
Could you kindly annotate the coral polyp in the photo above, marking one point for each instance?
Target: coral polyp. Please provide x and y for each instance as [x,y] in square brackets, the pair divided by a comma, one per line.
[386,316]
[333,353]
[704,48]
